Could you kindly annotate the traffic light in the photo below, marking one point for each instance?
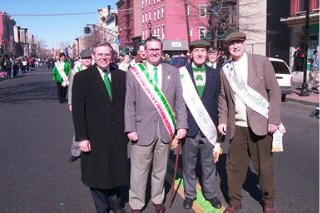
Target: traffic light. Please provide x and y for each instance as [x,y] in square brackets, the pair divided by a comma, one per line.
[86,30]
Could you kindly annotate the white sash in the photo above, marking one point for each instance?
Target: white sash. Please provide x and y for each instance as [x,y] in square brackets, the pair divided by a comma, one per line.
[60,67]
[197,109]
[252,99]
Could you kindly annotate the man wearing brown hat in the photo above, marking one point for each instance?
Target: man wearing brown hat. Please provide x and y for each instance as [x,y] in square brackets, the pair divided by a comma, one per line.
[200,85]
[249,107]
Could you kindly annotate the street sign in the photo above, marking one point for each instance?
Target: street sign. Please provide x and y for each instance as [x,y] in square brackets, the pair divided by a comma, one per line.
[118,41]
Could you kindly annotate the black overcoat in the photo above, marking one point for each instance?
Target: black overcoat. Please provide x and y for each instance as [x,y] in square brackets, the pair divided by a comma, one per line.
[101,121]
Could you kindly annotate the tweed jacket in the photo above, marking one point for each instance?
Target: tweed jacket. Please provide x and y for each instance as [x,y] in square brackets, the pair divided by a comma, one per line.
[261,78]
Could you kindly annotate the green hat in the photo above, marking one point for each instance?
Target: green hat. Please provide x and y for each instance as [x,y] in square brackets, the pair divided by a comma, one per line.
[199,43]
[235,36]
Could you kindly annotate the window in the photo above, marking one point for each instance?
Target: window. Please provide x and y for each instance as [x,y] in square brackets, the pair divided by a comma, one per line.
[143,35]
[202,32]
[146,34]
[149,2]
[302,5]
[190,31]
[149,15]
[154,15]
[162,32]
[154,1]
[158,13]
[188,9]
[158,32]
[162,12]
[142,3]
[154,31]
[142,18]
[202,10]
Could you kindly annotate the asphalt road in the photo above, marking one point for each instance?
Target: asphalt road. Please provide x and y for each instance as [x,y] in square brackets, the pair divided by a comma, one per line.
[35,175]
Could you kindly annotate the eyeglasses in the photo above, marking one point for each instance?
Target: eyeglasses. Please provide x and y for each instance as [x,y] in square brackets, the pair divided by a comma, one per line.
[100,55]
[154,50]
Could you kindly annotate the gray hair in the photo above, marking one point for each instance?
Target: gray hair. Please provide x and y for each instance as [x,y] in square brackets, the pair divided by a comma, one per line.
[100,44]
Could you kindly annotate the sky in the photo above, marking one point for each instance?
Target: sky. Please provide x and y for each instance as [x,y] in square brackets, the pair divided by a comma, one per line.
[55,29]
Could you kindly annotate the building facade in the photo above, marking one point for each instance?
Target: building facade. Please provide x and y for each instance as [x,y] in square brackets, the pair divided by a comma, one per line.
[296,23]
[108,26]
[6,34]
[126,25]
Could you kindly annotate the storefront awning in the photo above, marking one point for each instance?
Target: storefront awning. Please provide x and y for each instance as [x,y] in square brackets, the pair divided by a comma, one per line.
[175,45]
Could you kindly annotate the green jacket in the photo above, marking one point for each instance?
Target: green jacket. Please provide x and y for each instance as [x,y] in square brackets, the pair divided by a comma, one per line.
[55,73]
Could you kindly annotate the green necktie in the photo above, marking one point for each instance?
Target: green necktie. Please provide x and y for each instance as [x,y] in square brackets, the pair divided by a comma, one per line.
[108,84]
[155,76]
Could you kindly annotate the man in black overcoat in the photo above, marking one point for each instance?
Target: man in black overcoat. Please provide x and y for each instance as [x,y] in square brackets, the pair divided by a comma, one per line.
[98,96]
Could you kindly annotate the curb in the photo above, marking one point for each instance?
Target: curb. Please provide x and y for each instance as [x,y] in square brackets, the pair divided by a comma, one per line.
[310,103]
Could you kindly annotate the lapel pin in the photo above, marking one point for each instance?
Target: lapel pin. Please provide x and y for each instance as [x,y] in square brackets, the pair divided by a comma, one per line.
[169,77]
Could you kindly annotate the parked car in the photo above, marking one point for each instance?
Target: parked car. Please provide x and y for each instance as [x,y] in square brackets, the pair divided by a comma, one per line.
[284,77]
[178,61]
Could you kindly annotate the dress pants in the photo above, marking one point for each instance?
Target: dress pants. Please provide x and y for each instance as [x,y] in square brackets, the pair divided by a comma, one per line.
[190,150]
[62,92]
[105,199]
[142,157]
[246,145]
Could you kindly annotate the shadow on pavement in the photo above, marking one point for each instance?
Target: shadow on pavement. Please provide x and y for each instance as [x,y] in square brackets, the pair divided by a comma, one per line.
[31,91]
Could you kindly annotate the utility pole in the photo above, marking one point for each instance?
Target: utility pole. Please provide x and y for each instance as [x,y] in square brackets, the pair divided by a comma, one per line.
[187,20]
[304,91]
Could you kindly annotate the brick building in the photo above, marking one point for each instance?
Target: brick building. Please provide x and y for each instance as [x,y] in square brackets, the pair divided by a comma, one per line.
[6,34]
[296,23]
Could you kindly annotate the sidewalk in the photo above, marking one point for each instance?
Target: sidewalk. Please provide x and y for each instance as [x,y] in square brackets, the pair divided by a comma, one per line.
[297,79]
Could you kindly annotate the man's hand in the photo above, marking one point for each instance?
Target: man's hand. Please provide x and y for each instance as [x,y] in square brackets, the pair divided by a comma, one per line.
[222,128]
[70,107]
[85,146]
[272,128]
[181,133]
[217,151]
[133,136]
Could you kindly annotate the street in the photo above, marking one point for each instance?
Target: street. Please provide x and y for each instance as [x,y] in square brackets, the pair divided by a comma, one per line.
[36,133]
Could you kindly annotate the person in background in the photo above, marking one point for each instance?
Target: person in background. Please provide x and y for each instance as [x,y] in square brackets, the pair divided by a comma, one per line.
[124,65]
[313,80]
[247,80]
[98,98]
[213,58]
[82,64]
[141,55]
[60,73]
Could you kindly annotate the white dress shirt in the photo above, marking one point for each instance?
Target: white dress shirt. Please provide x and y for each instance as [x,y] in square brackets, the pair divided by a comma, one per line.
[103,73]
[241,69]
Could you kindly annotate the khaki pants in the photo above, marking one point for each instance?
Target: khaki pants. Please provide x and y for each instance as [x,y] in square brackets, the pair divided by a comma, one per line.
[142,157]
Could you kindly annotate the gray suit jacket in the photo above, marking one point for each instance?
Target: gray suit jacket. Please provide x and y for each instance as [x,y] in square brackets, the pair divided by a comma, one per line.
[261,78]
[140,114]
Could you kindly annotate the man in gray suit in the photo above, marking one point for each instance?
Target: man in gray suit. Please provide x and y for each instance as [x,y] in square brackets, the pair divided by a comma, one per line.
[153,100]
[250,121]
[84,62]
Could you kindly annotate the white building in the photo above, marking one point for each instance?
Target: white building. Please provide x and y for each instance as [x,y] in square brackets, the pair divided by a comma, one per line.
[108,26]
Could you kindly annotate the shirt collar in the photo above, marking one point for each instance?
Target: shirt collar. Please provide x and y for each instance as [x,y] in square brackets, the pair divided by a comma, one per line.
[102,71]
[195,66]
